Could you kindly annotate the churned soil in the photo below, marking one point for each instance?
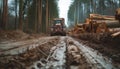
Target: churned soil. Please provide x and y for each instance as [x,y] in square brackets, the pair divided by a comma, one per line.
[109,47]
[27,58]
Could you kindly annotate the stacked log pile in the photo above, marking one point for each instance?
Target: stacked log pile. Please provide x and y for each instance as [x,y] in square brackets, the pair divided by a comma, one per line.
[100,28]
[112,24]
[110,21]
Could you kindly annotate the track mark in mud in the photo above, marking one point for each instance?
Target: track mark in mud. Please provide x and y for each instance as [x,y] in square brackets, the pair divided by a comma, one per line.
[94,58]
[58,53]
[75,59]
[55,58]
[29,56]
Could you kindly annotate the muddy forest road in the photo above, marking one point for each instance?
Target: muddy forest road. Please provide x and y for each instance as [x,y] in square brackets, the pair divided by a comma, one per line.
[57,52]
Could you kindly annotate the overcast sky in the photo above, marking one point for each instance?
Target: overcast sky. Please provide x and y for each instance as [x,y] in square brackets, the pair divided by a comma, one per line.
[64,7]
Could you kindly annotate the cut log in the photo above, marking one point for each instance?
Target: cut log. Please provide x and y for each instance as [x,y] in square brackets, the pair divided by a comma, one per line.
[101,17]
[114,29]
[109,23]
[115,34]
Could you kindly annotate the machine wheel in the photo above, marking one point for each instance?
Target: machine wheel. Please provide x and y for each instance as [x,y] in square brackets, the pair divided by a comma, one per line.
[64,34]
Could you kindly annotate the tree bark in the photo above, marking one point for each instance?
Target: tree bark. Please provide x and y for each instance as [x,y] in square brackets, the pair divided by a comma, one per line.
[1,8]
[27,18]
[36,15]
[39,15]
[47,16]
[5,14]
[20,14]
[15,14]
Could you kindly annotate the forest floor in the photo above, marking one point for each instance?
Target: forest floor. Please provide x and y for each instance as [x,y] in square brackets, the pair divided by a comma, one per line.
[17,35]
[19,50]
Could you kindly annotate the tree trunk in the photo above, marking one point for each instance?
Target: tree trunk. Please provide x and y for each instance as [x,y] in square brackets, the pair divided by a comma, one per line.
[5,14]
[15,14]
[49,19]
[27,18]
[1,8]
[75,19]
[47,16]
[36,15]
[39,15]
[20,14]
[92,5]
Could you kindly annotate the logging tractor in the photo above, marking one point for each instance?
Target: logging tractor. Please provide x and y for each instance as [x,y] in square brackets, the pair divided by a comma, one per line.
[58,27]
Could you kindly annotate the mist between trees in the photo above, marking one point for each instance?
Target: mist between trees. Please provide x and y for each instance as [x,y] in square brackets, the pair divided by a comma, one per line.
[32,16]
